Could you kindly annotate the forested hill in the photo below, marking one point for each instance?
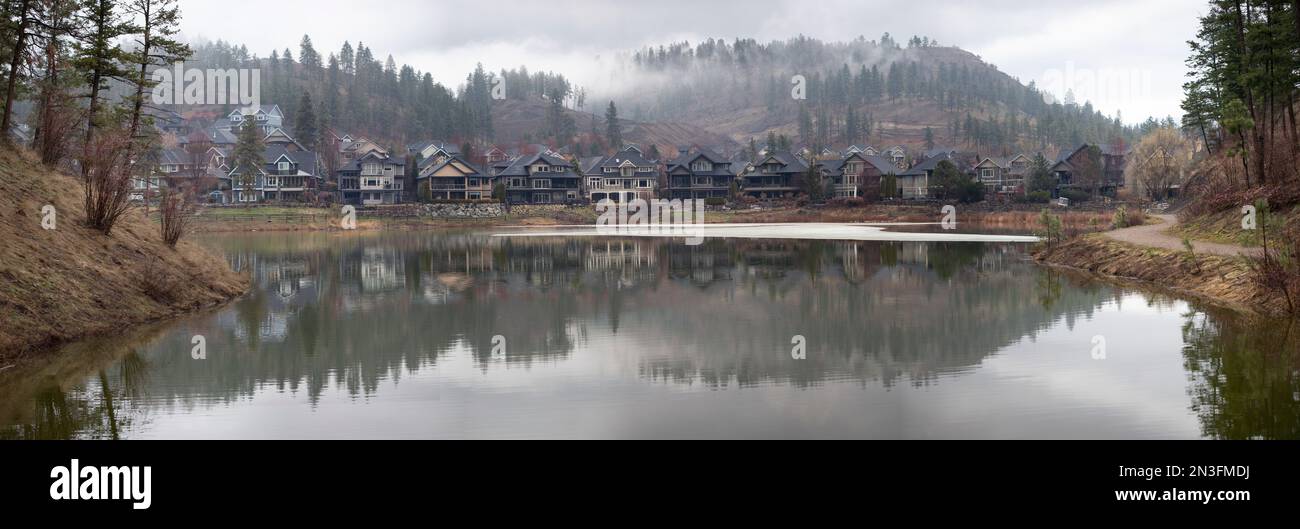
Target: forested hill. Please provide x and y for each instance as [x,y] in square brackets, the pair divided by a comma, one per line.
[714,93]
[863,91]
[353,91]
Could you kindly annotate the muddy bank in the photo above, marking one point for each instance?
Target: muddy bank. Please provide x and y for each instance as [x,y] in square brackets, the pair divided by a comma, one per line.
[68,283]
[1220,280]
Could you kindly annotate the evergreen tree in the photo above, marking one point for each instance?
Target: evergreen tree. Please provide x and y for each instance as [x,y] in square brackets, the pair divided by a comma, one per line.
[305,125]
[248,157]
[613,130]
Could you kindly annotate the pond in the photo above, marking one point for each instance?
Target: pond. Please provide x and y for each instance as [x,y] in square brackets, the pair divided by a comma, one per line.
[471,334]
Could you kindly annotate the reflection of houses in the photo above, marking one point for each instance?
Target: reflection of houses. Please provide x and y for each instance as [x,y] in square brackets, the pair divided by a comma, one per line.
[619,254]
[382,270]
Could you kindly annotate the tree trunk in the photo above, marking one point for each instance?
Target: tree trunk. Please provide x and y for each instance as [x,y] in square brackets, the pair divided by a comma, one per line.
[20,49]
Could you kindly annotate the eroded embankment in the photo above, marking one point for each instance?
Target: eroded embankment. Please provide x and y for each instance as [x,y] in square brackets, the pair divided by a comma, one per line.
[71,282]
[1221,280]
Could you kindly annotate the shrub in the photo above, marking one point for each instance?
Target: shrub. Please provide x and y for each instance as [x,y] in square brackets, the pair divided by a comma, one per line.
[1076,196]
[715,201]
[848,202]
[1036,197]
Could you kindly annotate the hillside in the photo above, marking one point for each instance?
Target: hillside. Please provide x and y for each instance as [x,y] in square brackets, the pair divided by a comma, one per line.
[519,121]
[858,92]
[73,282]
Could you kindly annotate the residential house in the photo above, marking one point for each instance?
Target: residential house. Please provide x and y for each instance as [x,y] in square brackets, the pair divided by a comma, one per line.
[1003,176]
[919,182]
[434,149]
[898,155]
[287,175]
[621,178]
[268,118]
[351,149]
[541,178]
[373,178]
[857,175]
[168,121]
[1072,162]
[699,174]
[453,178]
[779,175]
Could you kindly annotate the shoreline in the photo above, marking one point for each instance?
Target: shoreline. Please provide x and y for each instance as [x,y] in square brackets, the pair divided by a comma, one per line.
[317,220]
[1220,280]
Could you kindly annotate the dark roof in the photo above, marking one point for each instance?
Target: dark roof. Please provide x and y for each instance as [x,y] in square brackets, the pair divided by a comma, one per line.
[928,165]
[305,160]
[790,162]
[519,167]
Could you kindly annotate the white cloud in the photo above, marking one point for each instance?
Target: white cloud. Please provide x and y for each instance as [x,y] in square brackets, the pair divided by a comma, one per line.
[1029,39]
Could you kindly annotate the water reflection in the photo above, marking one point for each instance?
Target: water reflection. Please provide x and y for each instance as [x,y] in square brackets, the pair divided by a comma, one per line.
[367,326]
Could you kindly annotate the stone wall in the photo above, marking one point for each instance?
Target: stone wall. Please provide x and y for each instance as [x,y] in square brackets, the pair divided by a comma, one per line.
[444,210]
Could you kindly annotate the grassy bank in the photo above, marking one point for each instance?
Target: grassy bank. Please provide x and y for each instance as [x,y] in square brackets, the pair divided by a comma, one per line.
[72,282]
[255,219]
[1225,227]
[1220,280]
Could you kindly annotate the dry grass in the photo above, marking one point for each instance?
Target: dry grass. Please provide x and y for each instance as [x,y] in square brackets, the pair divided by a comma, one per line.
[74,282]
[1226,281]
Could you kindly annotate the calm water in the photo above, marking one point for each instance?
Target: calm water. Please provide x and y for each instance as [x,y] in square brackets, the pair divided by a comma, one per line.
[393,336]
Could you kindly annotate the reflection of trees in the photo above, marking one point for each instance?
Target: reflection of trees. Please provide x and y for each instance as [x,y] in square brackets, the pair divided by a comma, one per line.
[350,313]
[100,405]
[1245,383]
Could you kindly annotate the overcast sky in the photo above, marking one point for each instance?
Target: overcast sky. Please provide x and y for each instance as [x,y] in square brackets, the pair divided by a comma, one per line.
[1123,55]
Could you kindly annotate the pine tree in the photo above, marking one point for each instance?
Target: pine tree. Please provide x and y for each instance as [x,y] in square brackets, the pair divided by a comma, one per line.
[100,57]
[613,130]
[305,124]
[156,22]
[248,157]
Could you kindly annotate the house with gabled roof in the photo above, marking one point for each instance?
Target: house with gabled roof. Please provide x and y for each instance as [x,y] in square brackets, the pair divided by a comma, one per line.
[898,155]
[699,174]
[287,175]
[541,178]
[778,175]
[373,178]
[453,178]
[621,178]
[919,182]
[1114,161]
[268,118]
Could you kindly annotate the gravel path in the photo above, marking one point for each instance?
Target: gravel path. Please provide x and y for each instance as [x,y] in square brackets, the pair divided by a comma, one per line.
[1154,235]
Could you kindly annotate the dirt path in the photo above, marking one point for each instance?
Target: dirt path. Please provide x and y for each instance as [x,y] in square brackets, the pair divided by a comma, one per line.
[1154,235]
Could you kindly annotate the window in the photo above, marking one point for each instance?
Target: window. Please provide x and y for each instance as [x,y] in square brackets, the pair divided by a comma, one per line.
[518,182]
[702,167]
[643,184]
[542,183]
[593,182]
[629,171]
[283,166]
[370,169]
